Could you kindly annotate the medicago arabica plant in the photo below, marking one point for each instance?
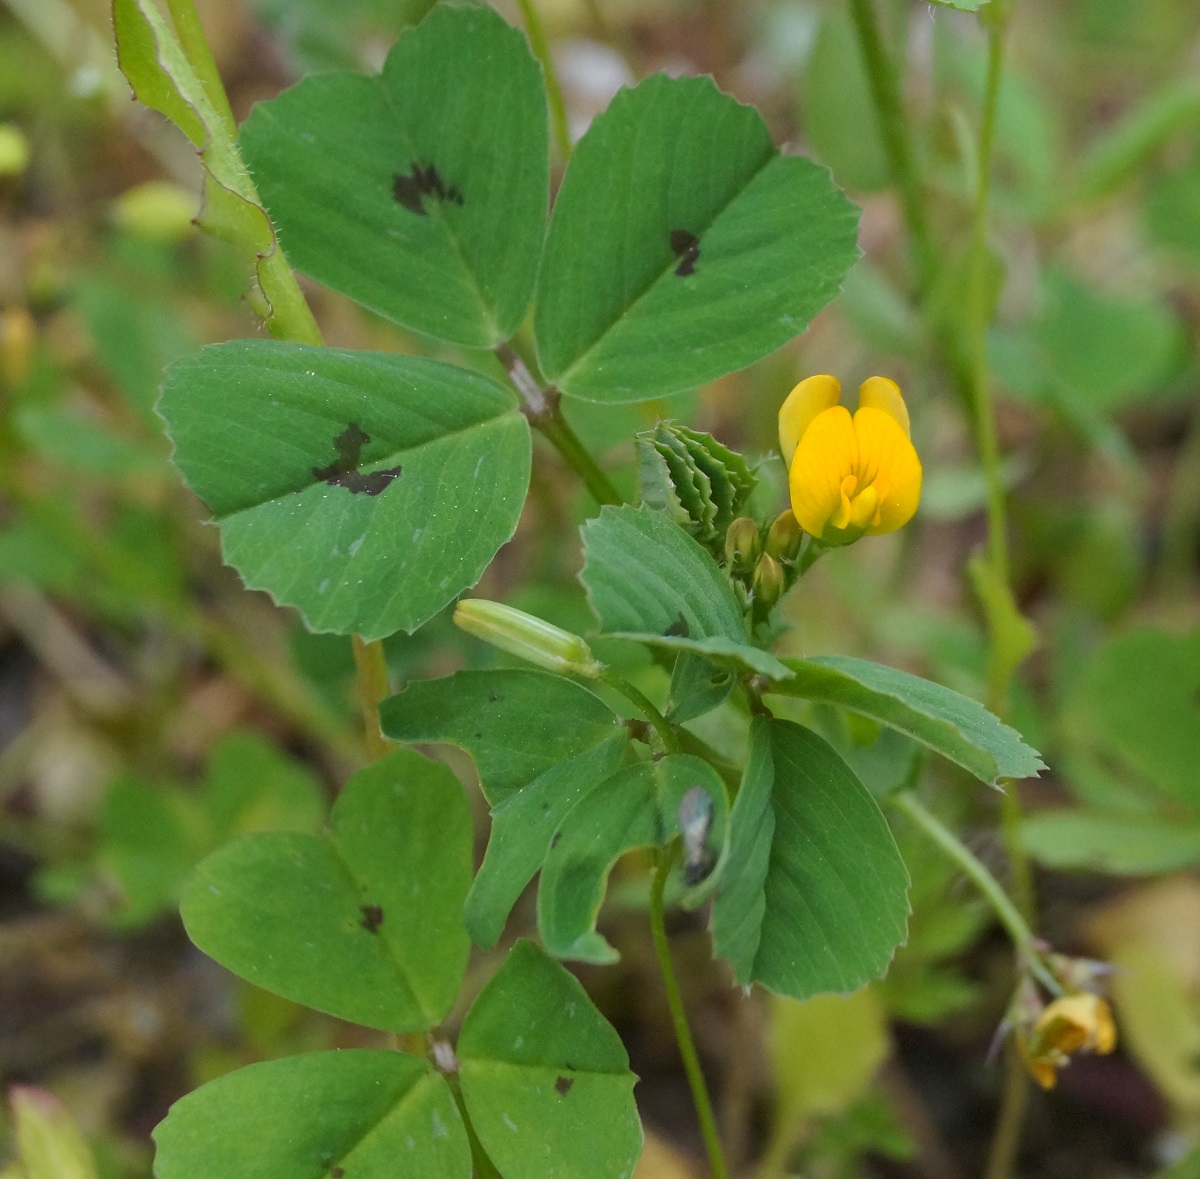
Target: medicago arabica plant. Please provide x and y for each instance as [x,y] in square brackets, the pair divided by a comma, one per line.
[370,490]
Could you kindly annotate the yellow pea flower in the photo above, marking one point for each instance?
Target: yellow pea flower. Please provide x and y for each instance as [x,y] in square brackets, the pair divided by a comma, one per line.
[1081,1022]
[849,476]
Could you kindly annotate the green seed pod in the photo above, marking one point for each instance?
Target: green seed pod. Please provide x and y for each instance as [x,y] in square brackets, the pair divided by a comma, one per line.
[528,637]
[784,537]
[742,545]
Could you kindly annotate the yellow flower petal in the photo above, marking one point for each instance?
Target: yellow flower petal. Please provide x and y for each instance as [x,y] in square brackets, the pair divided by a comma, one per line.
[827,453]
[882,393]
[809,398]
[1081,1022]
[888,462]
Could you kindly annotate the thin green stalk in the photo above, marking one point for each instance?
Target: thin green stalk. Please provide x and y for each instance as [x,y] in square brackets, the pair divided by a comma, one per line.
[1007,913]
[683,1034]
[373,686]
[543,409]
[894,128]
[644,705]
[196,49]
[1014,1103]
[979,316]
[541,48]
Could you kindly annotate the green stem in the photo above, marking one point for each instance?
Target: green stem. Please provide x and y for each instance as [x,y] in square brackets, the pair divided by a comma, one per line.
[373,686]
[644,705]
[542,408]
[1008,914]
[893,127]
[196,49]
[979,317]
[683,1034]
[541,49]
[1006,1142]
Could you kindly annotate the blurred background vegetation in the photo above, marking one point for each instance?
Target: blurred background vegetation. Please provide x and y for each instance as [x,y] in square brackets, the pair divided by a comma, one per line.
[150,707]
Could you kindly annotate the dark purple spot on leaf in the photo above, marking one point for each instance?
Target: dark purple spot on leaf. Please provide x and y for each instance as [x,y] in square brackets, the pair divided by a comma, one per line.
[372,918]
[555,838]
[563,1085]
[343,471]
[423,181]
[337,1173]
[686,247]
[678,628]
[493,698]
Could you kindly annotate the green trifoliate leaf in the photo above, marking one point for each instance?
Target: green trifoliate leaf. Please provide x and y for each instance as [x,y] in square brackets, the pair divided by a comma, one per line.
[330,1114]
[365,923]
[682,246]
[545,1078]
[420,193]
[540,744]
[813,895]
[639,807]
[949,723]
[648,580]
[366,489]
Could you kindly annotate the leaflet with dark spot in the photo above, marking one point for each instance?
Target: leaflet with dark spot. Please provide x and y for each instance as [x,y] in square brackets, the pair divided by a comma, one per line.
[372,918]
[563,1085]
[424,181]
[686,247]
[678,629]
[343,471]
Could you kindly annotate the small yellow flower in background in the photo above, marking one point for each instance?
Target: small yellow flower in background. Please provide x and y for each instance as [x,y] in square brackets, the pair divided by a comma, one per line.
[1081,1022]
[849,476]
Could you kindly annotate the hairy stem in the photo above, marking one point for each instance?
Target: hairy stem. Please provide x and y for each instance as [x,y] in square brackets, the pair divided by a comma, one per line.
[683,1034]
[542,408]
[196,49]
[541,49]
[894,128]
[1009,916]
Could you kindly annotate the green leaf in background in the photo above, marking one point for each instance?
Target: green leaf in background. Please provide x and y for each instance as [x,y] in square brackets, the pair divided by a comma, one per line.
[813,896]
[1137,700]
[251,786]
[422,192]
[354,1113]
[1122,844]
[545,1077]
[1172,212]
[272,437]
[648,580]
[951,724]
[692,479]
[682,246]
[840,123]
[152,836]
[539,743]
[961,5]
[639,807]
[365,924]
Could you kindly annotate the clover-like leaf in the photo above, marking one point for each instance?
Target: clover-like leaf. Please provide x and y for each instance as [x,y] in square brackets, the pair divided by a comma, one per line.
[364,923]
[682,246]
[366,489]
[421,192]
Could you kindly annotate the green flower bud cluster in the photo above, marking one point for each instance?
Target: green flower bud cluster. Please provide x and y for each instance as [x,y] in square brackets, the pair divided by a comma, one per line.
[763,567]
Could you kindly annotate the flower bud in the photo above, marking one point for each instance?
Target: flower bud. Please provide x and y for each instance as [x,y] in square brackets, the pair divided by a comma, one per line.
[14,150]
[528,637]
[742,545]
[769,582]
[48,1140]
[156,210]
[784,537]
